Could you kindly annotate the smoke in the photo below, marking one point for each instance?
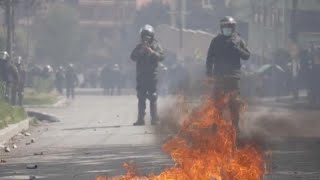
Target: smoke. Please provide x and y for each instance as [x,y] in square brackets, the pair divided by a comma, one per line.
[277,122]
[260,122]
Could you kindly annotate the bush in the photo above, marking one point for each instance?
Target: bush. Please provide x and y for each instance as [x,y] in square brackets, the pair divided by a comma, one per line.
[33,97]
[43,85]
[10,114]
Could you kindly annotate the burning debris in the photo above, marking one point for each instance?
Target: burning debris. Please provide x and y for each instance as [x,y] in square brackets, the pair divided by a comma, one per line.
[202,153]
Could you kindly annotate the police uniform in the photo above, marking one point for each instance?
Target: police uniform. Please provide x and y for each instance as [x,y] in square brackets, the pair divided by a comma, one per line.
[22,81]
[71,81]
[147,56]
[224,63]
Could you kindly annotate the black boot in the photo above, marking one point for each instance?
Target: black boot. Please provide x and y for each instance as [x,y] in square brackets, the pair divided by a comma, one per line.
[141,112]
[139,123]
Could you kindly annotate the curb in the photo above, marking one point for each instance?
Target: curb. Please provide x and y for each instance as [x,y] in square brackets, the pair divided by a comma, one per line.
[62,102]
[7,133]
[41,116]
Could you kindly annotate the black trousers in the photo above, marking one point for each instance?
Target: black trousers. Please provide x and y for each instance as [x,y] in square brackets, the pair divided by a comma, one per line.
[229,88]
[70,92]
[147,89]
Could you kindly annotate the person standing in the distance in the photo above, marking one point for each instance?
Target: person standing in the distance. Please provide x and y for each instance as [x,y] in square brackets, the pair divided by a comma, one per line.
[71,81]
[224,64]
[59,80]
[9,76]
[22,79]
[147,55]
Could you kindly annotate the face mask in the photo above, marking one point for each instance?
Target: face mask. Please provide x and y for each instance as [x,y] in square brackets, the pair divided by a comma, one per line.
[226,31]
[146,39]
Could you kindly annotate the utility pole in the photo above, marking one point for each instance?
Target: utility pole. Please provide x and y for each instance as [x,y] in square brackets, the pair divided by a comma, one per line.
[183,7]
[28,7]
[12,16]
[9,23]
[173,13]
[294,32]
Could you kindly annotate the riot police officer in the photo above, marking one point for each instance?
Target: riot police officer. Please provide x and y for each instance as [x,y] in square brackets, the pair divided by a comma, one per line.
[224,64]
[59,79]
[22,79]
[9,77]
[71,81]
[116,79]
[147,55]
[105,78]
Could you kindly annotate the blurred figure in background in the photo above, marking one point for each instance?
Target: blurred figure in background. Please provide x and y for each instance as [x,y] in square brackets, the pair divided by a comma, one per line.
[10,77]
[314,80]
[47,72]
[6,69]
[105,77]
[59,79]
[116,80]
[71,81]
[22,79]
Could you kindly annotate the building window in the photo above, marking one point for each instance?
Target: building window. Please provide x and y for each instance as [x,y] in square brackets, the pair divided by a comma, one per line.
[207,4]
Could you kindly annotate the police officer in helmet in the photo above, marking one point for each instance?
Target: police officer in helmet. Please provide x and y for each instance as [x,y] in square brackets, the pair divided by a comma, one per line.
[224,64]
[22,78]
[9,76]
[147,55]
[72,81]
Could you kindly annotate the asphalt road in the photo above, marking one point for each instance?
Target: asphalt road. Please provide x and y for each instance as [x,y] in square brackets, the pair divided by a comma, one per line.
[95,136]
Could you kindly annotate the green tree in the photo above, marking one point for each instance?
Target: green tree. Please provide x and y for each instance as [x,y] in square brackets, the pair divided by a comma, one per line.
[57,35]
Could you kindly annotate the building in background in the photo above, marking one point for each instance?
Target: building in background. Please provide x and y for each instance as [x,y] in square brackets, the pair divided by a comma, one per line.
[279,24]
[105,20]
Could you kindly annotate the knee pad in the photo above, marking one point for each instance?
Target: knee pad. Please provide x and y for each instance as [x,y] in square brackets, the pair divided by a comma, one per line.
[153,97]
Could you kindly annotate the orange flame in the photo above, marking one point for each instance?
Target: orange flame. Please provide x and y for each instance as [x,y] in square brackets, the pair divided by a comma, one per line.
[205,153]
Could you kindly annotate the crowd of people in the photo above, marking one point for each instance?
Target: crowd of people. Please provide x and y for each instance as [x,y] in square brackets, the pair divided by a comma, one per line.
[66,78]
[308,74]
[284,76]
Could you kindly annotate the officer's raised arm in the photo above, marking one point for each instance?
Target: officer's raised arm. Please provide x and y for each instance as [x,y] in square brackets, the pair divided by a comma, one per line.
[244,51]
[158,54]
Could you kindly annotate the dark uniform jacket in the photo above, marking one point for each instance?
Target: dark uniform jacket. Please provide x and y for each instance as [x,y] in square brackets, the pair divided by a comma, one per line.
[146,64]
[225,54]
[22,76]
[71,79]
[8,72]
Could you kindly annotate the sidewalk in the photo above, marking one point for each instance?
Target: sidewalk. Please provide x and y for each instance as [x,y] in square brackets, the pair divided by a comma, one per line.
[286,102]
[62,102]
[7,133]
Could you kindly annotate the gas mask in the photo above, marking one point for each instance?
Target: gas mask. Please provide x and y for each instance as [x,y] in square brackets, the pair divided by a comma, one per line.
[226,31]
[146,39]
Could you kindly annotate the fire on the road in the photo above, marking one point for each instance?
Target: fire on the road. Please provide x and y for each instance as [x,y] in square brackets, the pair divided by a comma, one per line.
[201,153]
